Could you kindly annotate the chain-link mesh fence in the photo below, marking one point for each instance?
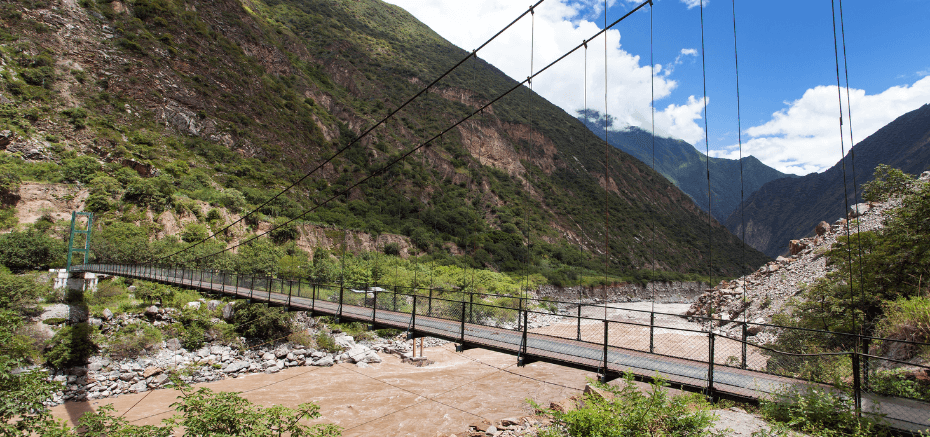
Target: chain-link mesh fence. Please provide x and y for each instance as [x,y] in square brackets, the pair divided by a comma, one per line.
[888,377]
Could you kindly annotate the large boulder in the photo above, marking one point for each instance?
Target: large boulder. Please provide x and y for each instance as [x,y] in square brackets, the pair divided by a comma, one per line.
[822,228]
[228,312]
[344,341]
[797,246]
[858,209]
[213,305]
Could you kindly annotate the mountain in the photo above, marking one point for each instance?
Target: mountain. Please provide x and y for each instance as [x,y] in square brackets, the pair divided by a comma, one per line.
[787,209]
[687,168]
[156,105]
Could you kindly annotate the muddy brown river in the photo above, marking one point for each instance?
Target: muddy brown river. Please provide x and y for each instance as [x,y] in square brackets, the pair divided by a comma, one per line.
[391,398]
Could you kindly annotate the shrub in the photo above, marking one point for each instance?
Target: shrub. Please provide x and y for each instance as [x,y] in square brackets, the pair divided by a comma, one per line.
[906,319]
[261,321]
[71,346]
[820,412]
[392,249]
[325,342]
[31,249]
[192,337]
[194,232]
[77,117]
[151,292]
[133,340]
[626,411]
[887,182]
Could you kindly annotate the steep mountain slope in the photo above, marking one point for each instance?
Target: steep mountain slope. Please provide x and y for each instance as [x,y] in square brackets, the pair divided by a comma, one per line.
[229,101]
[687,168]
[788,209]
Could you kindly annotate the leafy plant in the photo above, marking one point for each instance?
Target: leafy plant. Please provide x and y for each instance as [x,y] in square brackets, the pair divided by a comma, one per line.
[203,412]
[71,346]
[822,412]
[626,411]
[261,321]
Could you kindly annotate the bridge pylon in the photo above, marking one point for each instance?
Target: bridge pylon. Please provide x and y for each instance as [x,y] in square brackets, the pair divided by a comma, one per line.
[80,234]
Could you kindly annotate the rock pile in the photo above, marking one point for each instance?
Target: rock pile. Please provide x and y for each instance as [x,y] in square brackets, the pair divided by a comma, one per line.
[104,377]
[758,296]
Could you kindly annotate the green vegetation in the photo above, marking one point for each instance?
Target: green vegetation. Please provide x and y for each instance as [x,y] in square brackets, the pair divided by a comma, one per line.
[877,290]
[820,412]
[153,168]
[31,250]
[261,321]
[615,411]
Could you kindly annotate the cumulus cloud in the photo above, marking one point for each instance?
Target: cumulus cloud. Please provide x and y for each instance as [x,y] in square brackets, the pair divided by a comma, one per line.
[560,25]
[804,137]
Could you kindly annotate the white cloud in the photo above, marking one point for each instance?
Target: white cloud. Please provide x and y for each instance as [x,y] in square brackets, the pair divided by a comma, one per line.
[804,137]
[560,25]
[693,3]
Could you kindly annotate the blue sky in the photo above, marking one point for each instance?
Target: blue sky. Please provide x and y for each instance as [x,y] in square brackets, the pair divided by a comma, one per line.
[788,94]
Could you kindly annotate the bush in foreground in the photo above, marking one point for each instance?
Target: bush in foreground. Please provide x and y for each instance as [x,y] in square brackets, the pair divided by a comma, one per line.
[626,411]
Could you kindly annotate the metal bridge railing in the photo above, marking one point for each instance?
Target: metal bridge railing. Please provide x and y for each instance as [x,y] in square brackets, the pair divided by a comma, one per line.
[643,342]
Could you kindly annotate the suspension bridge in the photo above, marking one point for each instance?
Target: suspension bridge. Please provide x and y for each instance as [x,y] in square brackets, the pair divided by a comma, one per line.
[717,365]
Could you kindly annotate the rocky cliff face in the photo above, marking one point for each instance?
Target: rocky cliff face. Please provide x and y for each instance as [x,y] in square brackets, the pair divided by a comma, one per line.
[790,208]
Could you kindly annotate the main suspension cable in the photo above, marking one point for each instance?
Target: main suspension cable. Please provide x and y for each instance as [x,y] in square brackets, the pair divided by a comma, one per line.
[710,239]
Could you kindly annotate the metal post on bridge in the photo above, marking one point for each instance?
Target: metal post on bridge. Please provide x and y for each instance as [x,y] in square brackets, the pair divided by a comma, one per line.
[606,329]
[341,293]
[652,325]
[313,298]
[251,286]
[579,318]
[395,297]
[462,336]
[857,383]
[429,304]
[270,286]
[710,365]
[413,314]
[523,352]
[471,307]
[743,347]
[374,306]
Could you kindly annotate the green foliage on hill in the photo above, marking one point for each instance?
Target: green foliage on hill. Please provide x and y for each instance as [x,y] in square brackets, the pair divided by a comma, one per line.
[260,122]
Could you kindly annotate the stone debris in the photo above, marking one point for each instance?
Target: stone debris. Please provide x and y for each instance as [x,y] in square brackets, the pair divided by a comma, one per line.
[768,290]
[104,377]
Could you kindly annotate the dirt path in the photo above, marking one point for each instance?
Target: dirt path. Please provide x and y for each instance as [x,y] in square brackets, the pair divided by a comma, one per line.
[390,398]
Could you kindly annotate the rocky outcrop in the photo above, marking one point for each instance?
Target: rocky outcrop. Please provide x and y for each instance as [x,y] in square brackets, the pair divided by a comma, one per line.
[758,296]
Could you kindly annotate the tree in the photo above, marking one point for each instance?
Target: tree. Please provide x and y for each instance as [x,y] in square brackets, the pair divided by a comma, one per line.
[31,249]
[120,242]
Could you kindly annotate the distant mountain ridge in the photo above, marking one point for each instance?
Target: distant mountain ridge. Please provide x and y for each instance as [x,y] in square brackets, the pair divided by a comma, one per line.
[786,209]
[686,167]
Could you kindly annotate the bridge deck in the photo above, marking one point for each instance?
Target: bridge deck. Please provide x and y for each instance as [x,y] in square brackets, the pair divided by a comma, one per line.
[689,374]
